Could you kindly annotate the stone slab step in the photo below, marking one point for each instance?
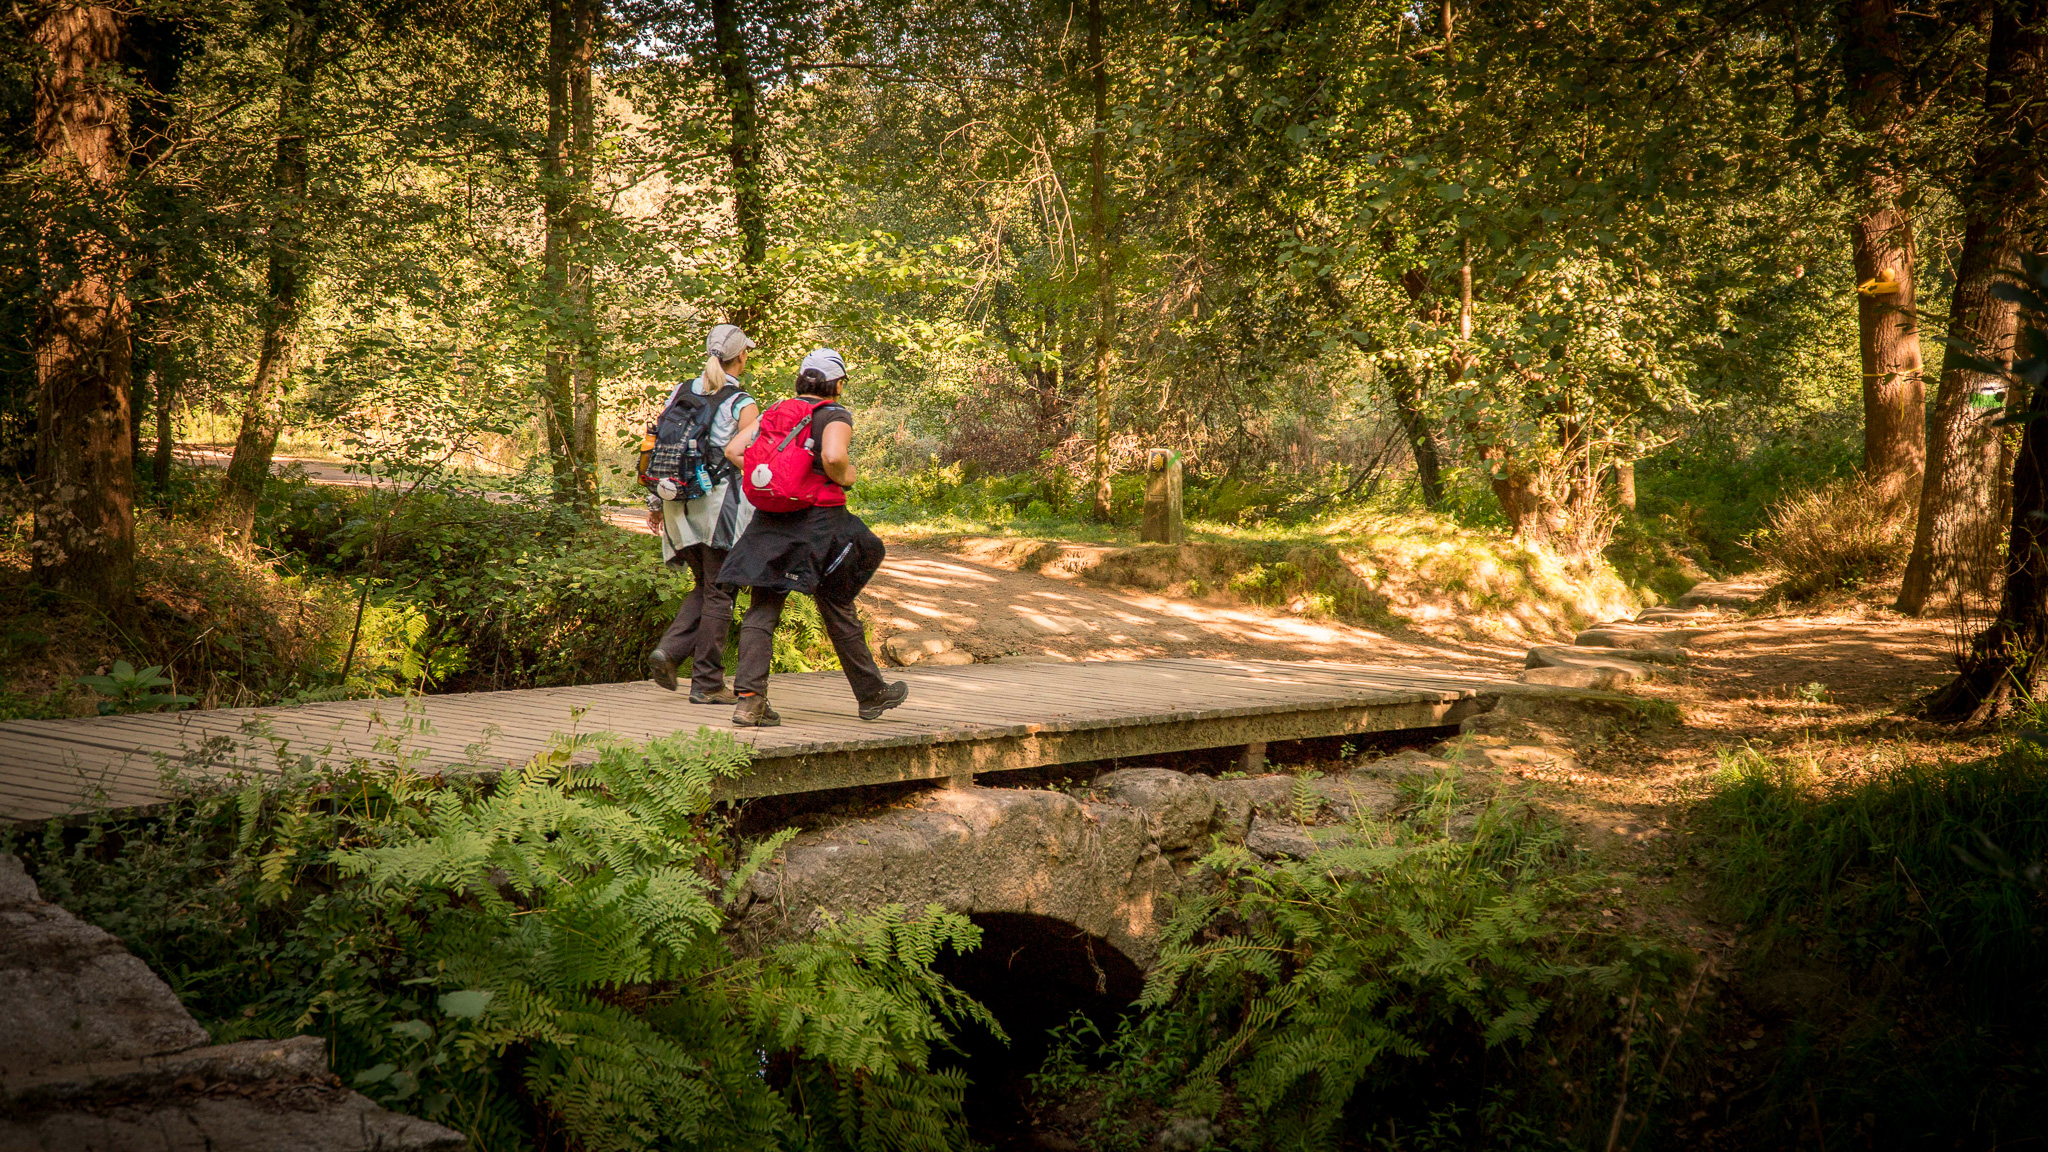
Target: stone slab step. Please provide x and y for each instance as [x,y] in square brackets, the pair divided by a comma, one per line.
[1632,636]
[929,648]
[1551,656]
[1723,594]
[1664,614]
[1595,676]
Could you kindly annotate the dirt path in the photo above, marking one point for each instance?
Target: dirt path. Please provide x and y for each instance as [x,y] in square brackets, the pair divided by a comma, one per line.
[995,613]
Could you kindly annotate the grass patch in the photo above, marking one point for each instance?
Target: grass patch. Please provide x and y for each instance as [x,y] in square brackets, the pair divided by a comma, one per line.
[1892,919]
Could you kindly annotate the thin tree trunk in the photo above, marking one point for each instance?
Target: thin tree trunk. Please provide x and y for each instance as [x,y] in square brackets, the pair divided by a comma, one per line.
[1881,237]
[749,308]
[1888,334]
[1098,233]
[1625,483]
[166,436]
[84,541]
[263,409]
[558,400]
[1954,543]
[1421,434]
[582,162]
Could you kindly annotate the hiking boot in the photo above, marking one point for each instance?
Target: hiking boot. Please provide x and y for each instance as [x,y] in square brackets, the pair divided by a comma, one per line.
[661,668]
[891,696]
[722,696]
[754,712]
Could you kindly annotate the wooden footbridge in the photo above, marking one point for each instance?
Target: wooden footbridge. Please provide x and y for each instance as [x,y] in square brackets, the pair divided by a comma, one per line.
[958,722]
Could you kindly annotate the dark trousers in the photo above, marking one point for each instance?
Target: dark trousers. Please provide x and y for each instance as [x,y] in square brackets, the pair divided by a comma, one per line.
[697,637]
[757,644]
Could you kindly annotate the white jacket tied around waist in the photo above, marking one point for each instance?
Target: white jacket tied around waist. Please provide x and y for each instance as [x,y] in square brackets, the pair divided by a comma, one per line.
[720,515]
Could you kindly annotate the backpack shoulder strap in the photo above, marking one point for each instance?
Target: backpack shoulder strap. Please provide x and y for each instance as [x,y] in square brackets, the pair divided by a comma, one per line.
[801,424]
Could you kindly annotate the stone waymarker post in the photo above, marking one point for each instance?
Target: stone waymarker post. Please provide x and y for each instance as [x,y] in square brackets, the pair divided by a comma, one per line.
[1162,498]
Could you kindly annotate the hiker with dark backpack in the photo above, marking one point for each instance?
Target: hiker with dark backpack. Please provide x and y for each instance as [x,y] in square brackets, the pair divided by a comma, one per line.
[697,510]
[795,467]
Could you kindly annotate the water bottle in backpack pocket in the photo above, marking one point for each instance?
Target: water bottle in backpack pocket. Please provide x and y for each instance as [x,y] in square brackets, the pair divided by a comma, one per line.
[780,471]
[681,464]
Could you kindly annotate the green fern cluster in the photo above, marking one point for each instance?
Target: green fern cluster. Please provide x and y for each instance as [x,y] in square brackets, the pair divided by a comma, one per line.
[540,960]
[1292,988]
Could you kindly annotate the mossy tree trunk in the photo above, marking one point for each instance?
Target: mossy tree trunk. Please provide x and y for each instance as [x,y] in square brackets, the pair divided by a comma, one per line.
[750,303]
[1098,241]
[562,281]
[2008,661]
[285,279]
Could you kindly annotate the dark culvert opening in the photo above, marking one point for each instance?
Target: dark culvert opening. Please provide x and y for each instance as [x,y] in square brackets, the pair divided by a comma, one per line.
[1032,973]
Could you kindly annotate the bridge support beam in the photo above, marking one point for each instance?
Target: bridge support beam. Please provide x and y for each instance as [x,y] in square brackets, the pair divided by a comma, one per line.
[1007,747]
[1253,761]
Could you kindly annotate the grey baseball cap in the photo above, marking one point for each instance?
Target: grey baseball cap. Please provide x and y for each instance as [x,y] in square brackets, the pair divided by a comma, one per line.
[727,342]
[829,364]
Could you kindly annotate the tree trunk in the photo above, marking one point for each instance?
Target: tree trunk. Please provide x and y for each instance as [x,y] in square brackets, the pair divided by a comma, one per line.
[2006,662]
[1518,493]
[1625,483]
[1407,391]
[166,436]
[1098,234]
[1955,541]
[1421,434]
[263,409]
[582,164]
[749,307]
[558,399]
[1881,238]
[84,540]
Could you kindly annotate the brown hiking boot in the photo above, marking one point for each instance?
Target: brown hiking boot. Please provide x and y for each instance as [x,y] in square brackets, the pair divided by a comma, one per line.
[722,696]
[661,668]
[754,712]
[891,696]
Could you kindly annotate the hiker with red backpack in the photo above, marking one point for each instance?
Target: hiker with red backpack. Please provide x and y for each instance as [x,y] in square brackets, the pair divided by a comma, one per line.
[697,510]
[795,467]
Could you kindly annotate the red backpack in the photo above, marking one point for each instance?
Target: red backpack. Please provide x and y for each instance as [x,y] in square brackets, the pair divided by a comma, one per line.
[777,472]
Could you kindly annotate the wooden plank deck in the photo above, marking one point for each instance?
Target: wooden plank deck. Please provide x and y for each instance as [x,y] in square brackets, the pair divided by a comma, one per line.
[958,721]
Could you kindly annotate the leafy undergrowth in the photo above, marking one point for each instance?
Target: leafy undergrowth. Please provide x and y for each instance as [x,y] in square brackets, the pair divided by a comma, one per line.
[535,961]
[355,593]
[226,629]
[1898,927]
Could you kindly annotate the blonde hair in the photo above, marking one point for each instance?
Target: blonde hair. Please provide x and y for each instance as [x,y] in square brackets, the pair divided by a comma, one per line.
[714,373]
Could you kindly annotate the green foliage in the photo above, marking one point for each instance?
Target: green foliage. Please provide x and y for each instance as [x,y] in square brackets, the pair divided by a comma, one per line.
[1867,870]
[1715,490]
[1298,992]
[223,629]
[542,954]
[126,689]
[470,593]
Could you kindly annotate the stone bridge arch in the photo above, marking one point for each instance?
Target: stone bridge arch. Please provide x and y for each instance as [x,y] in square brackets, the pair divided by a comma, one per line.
[1109,860]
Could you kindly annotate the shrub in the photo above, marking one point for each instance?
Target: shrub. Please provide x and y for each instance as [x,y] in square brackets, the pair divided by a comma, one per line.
[537,960]
[1303,995]
[1838,537]
[481,595]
